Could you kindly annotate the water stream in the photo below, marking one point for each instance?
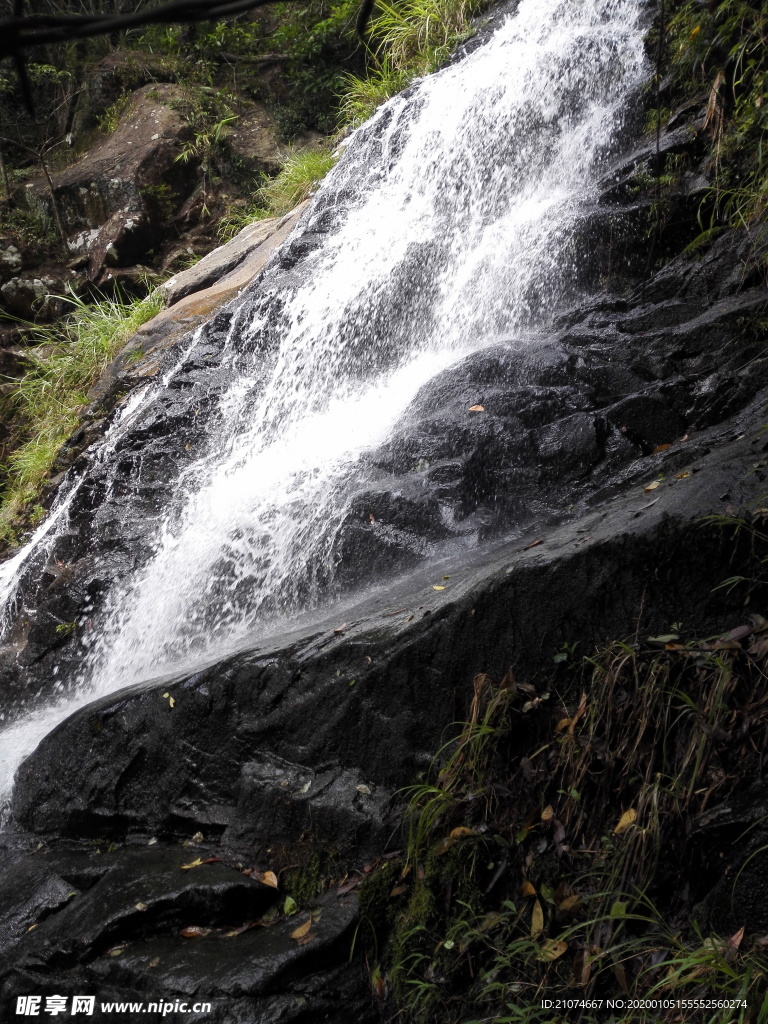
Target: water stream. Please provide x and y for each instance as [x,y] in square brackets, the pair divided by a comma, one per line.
[454,212]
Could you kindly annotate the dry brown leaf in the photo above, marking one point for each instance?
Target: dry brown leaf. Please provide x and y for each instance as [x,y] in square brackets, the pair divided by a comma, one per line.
[628,818]
[306,938]
[192,864]
[621,977]
[526,889]
[652,486]
[462,830]
[302,930]
[569,903]
[660,448]
[142,906]
[562,724]
[398,891]
[581,968]
[443,846]
[537,920]
[268,878]
[684,475]
[154,963]
[193,931]
[477,408]
[548,813]
[436,587]
[533,544]
[552,949]
[735,940]
[340,629]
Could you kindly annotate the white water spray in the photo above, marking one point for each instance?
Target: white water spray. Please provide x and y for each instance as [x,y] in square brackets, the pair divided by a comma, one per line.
[458,205]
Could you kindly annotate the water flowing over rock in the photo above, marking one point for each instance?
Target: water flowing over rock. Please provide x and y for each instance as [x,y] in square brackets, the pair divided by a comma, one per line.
[417,442]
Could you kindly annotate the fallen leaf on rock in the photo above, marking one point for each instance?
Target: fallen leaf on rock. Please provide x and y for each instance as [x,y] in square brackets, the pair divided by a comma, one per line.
[212,860]
[306,938]
[628,818]
[197,837]
[194,931]
[365,790]
[289,906]
[660,448]
[302,930]
[271,917]
[340,629]
[353,883]
[268,878]
[142,906]
[533,544]
[652,486]
[552,949]
[116,951]
[477,408]
[154,963]
[684,475]
[233,932]
[192,864]
[436,587]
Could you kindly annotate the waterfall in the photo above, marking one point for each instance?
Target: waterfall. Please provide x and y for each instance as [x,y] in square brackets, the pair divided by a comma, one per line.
[446,226]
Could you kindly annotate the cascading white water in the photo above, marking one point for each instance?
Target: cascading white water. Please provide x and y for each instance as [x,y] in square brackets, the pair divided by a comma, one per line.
[457,205]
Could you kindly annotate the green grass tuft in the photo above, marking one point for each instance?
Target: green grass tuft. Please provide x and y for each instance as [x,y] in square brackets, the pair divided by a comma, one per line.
[302,172]
[46,403]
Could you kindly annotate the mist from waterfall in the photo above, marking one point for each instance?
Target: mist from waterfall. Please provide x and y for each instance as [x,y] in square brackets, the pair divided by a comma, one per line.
[454,211]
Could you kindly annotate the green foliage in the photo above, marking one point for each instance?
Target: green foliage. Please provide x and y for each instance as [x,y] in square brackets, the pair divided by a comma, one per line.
[407,39]
[302,172]
[110,119]
[545,850]
[46,403]
[722,48]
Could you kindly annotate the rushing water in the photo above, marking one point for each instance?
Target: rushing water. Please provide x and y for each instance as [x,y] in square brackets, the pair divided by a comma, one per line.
[456,208]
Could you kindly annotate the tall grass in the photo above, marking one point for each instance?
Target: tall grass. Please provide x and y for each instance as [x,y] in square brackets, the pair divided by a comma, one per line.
[407,39]
[46,404]
[300,176]
[548,849]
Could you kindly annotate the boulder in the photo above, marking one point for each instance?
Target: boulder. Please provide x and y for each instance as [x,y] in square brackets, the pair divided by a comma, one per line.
[40,294]
[111,200]
[255,141]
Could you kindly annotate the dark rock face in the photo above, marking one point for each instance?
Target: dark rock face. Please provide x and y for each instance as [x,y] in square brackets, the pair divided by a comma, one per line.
[305,736]
[110,201]
[137,925]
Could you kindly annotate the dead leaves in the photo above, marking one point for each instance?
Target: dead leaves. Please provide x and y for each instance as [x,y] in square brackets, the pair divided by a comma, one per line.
[537,920]
[551,949]
[628,818]
[267,878]
[169,698]
[476,408]
[303,934]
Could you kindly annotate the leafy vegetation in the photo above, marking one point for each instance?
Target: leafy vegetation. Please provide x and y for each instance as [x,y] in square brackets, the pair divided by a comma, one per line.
[297,180]
[407,39]
[47,402]
[719,52]
[550,852]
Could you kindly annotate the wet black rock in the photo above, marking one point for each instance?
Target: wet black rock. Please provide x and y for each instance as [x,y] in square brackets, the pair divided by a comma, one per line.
[157,924]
